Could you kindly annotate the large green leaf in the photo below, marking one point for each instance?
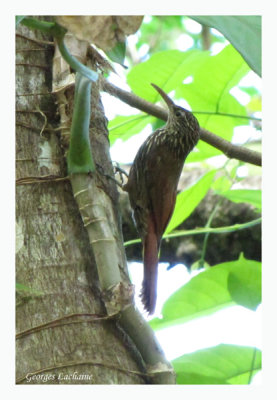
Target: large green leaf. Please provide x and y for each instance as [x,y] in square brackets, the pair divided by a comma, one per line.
[212,81]
[210,91]
[124,127]
[246,288]
[222,364]
[189,199]
[252,196]
[243,31]
[209,292]
[167,69]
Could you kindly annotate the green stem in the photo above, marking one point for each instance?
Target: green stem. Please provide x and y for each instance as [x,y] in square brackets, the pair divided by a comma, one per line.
[205,242]
[200,231]
[74,63]
[52,28]
[79,159]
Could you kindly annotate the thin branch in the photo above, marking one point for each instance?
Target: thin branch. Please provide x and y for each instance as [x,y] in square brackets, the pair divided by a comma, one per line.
[206,37]
[40,42]
[229,149]
[206,237]
[59,322]
[40,179]
[34,128]
[200,231]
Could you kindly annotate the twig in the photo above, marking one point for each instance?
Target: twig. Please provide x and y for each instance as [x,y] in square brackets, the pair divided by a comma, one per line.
[229,149]
[40,179]
[60,322]
[200,231]
[40,42]
[206,37]
[207,234]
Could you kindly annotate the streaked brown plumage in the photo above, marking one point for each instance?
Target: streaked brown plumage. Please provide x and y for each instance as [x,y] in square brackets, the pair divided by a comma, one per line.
[152,186]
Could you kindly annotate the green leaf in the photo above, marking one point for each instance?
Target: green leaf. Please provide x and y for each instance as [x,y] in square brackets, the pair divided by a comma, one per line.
[243,31]
[189,199]
[222,364]
[251,196]
[245,285]
[221,184]
[205,93]
[117,53]
[255,104]
[124,127]
[167,69]
[205,293]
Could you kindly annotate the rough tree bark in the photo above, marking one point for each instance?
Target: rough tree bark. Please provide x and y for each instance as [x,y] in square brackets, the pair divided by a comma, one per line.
[59,338]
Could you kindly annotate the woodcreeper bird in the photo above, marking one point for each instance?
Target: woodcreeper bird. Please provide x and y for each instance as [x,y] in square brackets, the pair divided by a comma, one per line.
[152,186]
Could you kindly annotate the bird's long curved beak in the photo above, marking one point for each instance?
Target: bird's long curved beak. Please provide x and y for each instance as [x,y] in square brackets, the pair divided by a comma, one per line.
[167,99]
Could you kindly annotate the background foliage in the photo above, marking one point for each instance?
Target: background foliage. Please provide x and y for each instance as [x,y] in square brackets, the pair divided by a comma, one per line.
[201,66]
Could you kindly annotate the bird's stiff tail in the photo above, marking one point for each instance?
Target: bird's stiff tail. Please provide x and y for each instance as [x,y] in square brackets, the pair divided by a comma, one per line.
[150,261]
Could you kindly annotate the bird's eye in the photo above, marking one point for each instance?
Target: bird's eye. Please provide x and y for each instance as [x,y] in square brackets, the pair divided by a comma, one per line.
[178,113]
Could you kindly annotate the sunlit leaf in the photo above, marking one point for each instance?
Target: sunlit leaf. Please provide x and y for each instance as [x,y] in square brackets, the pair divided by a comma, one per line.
[252,196]
[255,104]
[245,288]
[221,184]
[167,69]
[189,199]
[123,127]
[205,93]
[207,292]
[222,364]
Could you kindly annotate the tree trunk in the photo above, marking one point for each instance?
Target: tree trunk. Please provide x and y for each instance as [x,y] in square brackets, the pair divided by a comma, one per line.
[63,335]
